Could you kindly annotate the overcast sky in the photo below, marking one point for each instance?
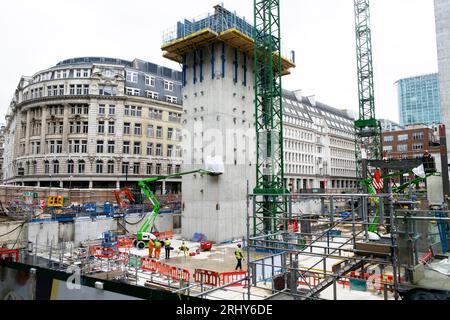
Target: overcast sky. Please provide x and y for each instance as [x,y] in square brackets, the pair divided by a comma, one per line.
[36,34]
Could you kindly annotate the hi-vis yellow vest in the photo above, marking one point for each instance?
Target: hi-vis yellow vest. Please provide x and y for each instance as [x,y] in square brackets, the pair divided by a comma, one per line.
[238,254]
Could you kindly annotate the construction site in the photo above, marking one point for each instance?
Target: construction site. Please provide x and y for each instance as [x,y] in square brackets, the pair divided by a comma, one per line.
[387,240]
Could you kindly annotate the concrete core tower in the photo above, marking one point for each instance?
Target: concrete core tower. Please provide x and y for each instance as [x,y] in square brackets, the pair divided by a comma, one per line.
[216,54]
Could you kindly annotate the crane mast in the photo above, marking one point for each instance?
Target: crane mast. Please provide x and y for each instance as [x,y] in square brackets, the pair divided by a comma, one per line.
[368,128]
[269,117]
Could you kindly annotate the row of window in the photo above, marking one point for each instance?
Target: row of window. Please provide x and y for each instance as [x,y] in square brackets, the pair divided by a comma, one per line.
[417,136]
[149,80]
[404,147]
[100,167]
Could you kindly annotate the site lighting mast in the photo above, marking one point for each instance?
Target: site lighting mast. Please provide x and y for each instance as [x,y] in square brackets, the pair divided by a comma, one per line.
[269,118]
[368,128]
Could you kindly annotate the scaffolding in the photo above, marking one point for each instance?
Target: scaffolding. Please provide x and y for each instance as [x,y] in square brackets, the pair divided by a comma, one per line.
[329,246]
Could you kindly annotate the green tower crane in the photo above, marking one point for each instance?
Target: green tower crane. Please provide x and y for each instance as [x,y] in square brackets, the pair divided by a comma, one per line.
[269,117]
[368,128]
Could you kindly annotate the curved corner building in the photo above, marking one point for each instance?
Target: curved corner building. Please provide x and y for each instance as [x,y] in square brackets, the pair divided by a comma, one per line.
[94,122]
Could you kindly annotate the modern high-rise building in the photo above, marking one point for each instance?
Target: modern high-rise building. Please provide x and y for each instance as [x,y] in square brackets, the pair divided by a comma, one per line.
[419,100]
[442,13]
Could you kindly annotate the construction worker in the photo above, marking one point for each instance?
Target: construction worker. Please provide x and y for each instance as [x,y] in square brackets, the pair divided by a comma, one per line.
[185,249]
[168,248]
[150,248]
[157,245]
[239,256]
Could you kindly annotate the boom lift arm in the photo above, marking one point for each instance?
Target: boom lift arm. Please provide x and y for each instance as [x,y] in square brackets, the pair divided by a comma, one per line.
[144,232]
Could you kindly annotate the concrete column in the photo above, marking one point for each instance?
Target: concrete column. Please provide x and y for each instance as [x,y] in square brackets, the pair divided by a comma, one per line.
[91,184]
[65,142]
[28,132]
[44,129]
[117,184]
[163,187]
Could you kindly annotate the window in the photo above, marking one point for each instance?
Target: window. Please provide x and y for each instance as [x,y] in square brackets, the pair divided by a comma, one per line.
[86,73]
[112,110]
[56,166]
[159,132]
[388,148]
[101,109]
[136,168]
[402,148]
[137,148]
[169,151]
[155,114]
[133,91]
[107,90]
[171,99]
[100,146]
[388,138]
[137,129]
[126,147]
[132,76]
[418,146]
[403,137]
[101,127]
[70,166]
[150,131]
[149,149]
[111,146]
[125,167]
[46,167]
[79,89]
[86,89]
[152,95]
[81,166]
[133,111]
[174,117]
[158,150]
[72,89]
[111,127]
[170,133]
[149,168]
[178,135]
[150,81]
[168,85]
[126,128]
[177,169]
[110,166]
[418,136]
[84,146]
[158,169]
[99,166]
[169,169]
[178,152]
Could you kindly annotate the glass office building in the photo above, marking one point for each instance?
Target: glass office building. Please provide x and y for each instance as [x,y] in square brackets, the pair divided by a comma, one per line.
[419,100]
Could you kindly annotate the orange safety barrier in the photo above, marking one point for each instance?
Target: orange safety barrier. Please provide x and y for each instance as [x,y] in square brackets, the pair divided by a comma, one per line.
[230,277]
[165,235]
[206,277]
[309,279]
[9,254]
[125,243]
[107,253]
[166,270]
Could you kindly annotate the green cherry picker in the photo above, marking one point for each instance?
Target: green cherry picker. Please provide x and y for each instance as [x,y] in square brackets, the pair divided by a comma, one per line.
[144,234]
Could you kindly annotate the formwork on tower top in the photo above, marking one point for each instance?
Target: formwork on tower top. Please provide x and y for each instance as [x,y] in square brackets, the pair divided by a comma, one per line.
[223,26]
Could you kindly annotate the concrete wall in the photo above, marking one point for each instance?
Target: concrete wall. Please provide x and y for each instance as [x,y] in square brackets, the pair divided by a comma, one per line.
[218,116]
[81,230]
[10,239]
[442,13]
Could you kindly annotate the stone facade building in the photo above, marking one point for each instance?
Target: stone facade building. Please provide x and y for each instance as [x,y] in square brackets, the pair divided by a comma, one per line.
[94,123]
